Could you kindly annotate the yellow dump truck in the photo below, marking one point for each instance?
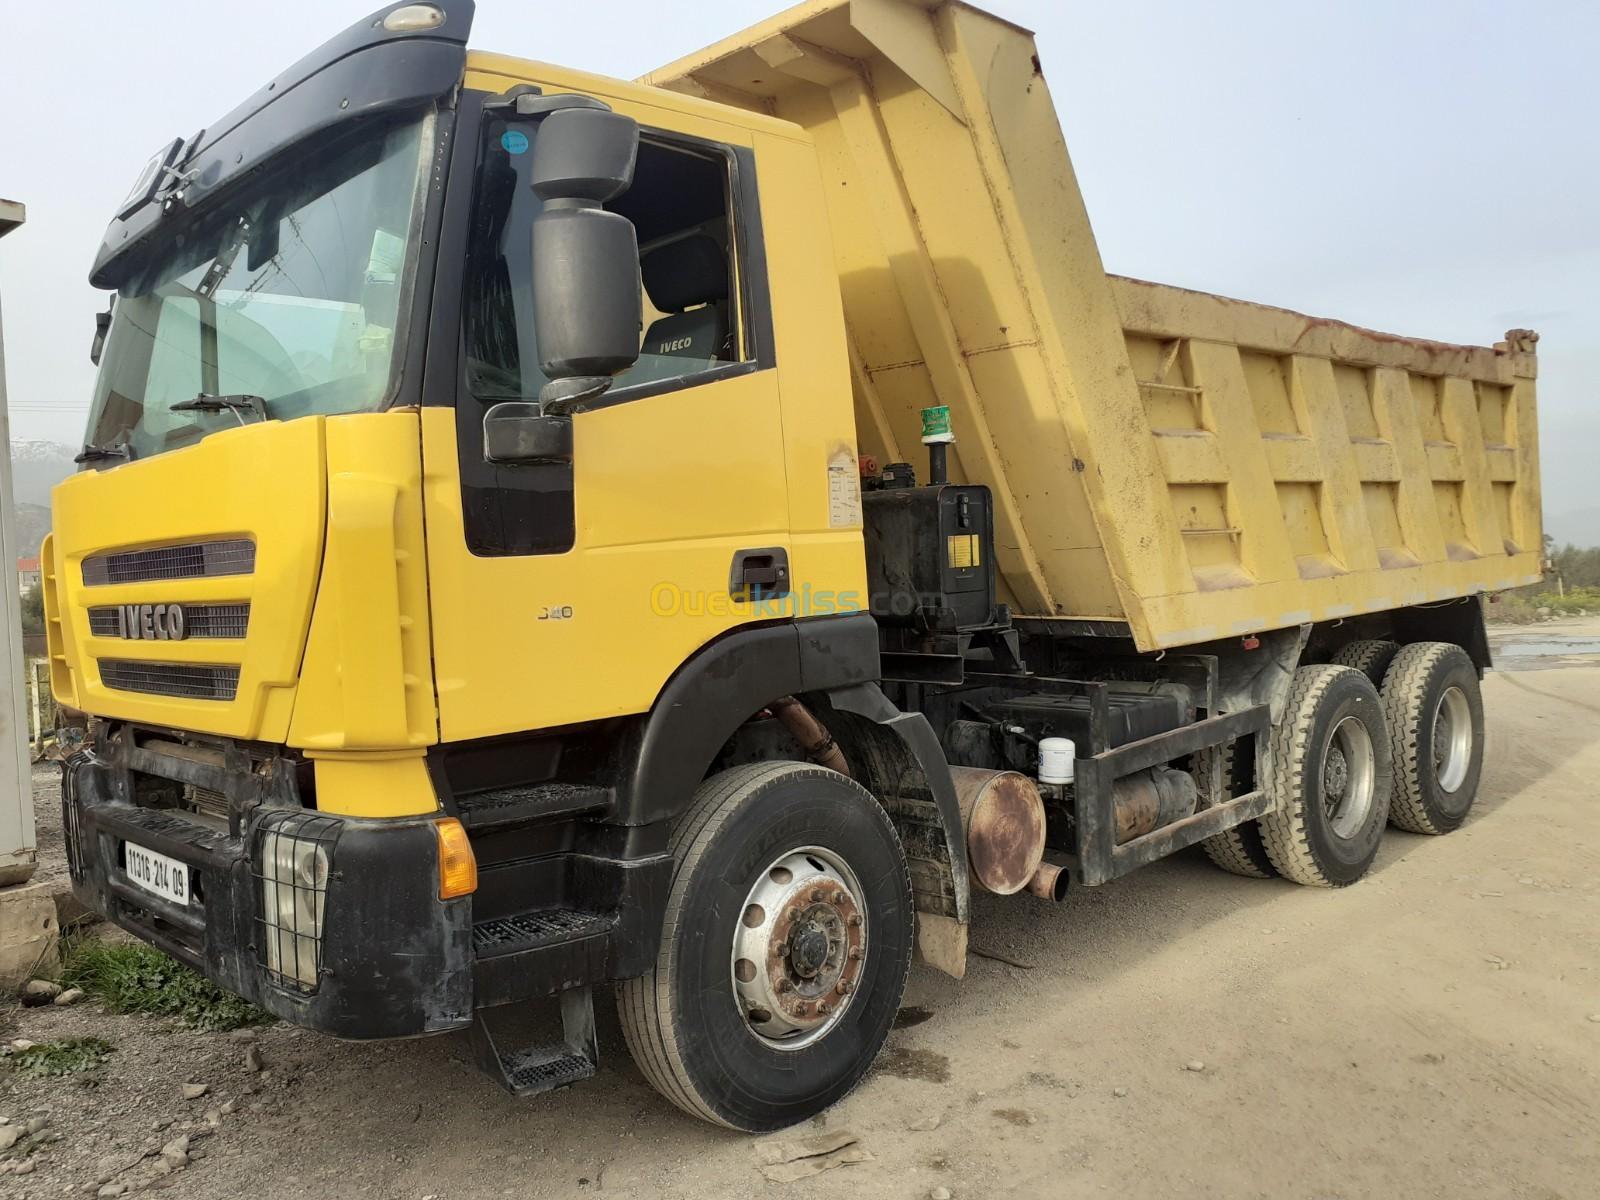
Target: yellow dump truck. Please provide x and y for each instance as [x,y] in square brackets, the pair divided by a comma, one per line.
[539,531]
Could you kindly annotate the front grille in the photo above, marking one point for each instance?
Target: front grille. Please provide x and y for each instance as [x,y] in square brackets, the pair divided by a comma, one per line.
[191,680]
[205,801]
[230,621]
[195,561]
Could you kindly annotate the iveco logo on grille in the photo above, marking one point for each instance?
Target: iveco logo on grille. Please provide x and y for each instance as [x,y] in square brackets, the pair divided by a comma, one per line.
[151,622]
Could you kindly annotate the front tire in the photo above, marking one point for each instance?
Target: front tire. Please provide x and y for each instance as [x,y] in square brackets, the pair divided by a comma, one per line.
[1331,778]
[1434,710]
[784,950]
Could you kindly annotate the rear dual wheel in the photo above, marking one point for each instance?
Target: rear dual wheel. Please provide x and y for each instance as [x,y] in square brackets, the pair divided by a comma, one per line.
[1369,656]
[1331,777]
[1434,712]
[1239,850]
[1383,732]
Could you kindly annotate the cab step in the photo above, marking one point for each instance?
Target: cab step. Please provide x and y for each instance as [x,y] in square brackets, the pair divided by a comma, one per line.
[504,808]
[517,956]
[540,1066]
[531,930]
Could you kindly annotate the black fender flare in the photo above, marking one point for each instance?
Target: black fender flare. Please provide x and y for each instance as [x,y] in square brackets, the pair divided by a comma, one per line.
[723,686]
[866,700]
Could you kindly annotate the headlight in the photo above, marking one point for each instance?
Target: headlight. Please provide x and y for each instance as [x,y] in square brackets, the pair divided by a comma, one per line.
[295,861]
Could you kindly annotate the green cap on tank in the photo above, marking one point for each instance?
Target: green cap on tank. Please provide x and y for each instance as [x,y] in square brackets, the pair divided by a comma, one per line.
[936,424]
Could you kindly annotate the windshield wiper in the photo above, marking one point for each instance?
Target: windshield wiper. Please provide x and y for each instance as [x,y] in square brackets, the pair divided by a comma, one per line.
[237,404]
[93,453]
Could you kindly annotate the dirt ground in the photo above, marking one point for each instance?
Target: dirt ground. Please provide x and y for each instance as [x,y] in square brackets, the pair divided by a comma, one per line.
[1432,1032]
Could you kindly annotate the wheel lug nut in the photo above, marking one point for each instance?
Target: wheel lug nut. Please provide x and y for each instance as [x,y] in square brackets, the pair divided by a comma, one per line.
[838,897]
[822,1007]
[855,920]
[855,951]
[785,986]
[844,987]
[816,893]
[802,1009]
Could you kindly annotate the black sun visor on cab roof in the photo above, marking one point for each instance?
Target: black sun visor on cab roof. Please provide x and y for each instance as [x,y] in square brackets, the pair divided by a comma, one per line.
[401,56]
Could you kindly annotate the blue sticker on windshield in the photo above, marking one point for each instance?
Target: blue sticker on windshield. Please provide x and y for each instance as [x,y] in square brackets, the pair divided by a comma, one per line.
[514,141]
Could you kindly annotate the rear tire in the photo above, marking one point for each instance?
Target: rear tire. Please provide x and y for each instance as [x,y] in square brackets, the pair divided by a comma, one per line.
[1330,777]
[1434,711]
[1371,658]
[1240,850]
[789,880]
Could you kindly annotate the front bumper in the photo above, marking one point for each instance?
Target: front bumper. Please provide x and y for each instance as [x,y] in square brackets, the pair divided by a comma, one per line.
[395,960]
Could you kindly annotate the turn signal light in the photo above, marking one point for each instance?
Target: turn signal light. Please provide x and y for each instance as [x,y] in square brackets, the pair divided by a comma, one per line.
[458,869]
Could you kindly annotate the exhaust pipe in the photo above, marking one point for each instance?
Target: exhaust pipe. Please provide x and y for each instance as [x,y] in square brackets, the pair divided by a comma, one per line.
[1049,882]
[811,733]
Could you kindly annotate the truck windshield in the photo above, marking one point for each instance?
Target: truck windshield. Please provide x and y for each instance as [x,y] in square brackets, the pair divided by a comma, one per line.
[294,291]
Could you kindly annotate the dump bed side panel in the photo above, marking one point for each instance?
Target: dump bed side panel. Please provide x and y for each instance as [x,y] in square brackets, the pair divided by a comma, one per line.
[1317,470]
[1195,466]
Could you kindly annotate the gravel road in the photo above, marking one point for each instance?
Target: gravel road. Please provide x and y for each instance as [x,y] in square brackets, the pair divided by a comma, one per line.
[1432,1032]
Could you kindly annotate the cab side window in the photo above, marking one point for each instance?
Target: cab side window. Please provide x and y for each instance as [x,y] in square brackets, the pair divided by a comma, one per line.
[682,204]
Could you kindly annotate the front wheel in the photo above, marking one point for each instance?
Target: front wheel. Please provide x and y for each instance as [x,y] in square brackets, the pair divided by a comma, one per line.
[784,950]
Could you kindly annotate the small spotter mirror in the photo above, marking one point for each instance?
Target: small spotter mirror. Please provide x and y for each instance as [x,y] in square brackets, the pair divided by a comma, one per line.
[516,432]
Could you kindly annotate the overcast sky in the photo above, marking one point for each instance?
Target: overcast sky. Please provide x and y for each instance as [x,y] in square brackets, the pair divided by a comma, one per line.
[1426,167]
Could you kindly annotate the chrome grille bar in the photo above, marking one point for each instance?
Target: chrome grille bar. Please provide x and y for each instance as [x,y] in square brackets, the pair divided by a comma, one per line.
[198,560]
[196,681]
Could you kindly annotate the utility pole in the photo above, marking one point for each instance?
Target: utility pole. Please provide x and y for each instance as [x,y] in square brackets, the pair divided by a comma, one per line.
[18,846]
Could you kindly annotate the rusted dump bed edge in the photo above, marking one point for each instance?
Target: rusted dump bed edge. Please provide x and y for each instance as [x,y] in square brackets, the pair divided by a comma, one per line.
[1165,310]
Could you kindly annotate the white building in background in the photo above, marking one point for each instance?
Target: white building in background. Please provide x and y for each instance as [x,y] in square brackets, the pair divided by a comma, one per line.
[17,842]
[27,575]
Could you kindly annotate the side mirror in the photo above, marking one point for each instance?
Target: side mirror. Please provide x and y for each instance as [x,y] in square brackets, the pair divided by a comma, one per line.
[516,432]
[587,312]
[102,326]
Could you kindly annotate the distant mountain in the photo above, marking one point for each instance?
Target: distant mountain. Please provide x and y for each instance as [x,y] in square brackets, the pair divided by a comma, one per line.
[36,467]
[33,522]
[1580,528]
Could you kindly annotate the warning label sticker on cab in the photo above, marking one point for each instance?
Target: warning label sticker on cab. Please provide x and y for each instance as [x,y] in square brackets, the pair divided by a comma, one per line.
[844,489]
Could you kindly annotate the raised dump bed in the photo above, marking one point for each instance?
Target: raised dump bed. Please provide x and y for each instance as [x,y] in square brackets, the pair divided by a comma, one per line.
[1192,465]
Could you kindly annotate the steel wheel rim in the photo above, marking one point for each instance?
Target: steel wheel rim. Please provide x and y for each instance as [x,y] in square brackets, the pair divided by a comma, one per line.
[1349,777]
[799,947]
[1452,739]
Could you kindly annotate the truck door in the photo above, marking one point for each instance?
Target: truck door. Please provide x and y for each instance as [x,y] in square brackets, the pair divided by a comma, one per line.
[567,593]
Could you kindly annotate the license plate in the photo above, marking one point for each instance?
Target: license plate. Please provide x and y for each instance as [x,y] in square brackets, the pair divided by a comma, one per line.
[157,874]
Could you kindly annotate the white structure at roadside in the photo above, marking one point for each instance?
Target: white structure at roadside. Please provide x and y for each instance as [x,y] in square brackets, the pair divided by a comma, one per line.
[18,847]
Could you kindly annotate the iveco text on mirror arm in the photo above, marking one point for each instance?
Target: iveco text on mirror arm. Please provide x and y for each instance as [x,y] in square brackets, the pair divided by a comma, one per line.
[501,571]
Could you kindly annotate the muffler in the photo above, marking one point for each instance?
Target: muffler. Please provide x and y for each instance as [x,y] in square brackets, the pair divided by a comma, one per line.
[1003,816]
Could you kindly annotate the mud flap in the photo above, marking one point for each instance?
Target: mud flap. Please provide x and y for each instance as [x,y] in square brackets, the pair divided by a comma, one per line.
[927,816]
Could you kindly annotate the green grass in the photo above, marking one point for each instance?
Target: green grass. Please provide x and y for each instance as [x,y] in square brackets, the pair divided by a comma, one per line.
[130,977]
[69,1056]
[1519,608]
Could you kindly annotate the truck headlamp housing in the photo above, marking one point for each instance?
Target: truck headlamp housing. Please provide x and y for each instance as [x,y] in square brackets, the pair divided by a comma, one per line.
[294,863]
